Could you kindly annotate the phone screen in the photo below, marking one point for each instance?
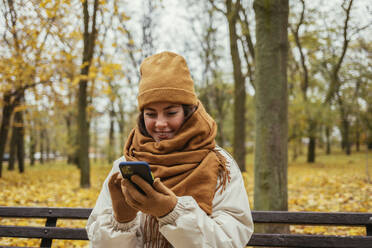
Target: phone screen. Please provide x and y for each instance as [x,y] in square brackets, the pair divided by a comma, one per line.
[140,168]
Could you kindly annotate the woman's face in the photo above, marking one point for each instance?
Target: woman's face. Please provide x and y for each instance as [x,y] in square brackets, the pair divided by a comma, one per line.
[163,119]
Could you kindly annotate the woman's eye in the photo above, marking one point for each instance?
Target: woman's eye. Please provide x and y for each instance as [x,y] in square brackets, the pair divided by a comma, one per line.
[172,113]
[150,114]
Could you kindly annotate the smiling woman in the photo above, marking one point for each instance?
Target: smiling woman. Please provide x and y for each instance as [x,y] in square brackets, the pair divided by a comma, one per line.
[198,197]
[162,119]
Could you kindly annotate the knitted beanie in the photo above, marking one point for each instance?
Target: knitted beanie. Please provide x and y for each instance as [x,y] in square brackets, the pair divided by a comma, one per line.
[165,77]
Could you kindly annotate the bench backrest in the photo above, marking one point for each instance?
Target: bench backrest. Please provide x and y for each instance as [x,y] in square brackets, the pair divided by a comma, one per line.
[50,231]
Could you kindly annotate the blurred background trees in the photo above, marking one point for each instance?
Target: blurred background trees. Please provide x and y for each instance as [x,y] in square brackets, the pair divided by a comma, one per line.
[49,62]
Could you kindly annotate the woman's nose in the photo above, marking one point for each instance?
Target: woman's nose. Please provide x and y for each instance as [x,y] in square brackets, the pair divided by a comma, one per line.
[161,123]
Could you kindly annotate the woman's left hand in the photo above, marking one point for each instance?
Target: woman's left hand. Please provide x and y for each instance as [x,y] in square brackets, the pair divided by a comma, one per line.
[158,201]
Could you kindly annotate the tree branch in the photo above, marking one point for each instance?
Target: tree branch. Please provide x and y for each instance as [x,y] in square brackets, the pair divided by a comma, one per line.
[305,81]
[246,32]
[212,2]
[335,84]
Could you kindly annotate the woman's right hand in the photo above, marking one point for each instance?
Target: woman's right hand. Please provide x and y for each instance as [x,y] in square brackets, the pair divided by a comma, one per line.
[122,211]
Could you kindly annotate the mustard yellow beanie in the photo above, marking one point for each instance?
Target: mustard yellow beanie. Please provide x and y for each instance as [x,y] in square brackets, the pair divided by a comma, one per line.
[165,77]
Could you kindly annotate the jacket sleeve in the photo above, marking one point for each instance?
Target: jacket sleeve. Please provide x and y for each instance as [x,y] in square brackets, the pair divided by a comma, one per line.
[230,224]
[102,228]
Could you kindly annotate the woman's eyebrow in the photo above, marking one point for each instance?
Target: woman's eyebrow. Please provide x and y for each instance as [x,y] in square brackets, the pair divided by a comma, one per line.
[170,106]
[149,109]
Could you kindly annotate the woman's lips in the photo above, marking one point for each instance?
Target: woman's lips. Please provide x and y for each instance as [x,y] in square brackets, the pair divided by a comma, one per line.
[163,135]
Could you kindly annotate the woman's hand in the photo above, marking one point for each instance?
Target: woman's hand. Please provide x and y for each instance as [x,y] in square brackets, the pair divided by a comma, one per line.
[122,211]
[158,201]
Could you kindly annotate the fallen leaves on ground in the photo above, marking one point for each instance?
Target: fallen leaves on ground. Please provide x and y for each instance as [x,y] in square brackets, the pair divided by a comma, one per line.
[49,185]
[336,183]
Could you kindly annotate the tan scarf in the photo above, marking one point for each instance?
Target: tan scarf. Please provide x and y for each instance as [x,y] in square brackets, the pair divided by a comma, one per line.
[187,163]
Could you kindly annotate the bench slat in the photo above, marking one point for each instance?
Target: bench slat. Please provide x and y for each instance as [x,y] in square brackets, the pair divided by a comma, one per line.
[43,232]
[277,240]
[43,212]
[301,218]
[280,240]
[310,241]
[312,218]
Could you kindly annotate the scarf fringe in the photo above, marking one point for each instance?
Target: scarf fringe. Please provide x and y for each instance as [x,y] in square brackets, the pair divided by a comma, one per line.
[152,236]
[223,172]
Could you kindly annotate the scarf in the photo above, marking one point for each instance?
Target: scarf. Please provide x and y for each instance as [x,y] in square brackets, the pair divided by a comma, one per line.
[187,164]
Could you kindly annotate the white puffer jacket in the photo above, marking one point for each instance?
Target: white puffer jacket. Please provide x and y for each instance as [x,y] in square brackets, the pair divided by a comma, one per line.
[229,225]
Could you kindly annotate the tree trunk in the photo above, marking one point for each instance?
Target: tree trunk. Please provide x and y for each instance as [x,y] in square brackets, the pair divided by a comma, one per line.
[311,150]
[19,125]
[271,151]
[7,112]
[32,148]
[220,99]
[83,135]
[345,124]
[121,124]
[357,142]
[312,141]
[220,137]
[17,149]
[328,140]
[90,33]
[71,151]
[41,145]
[111,148]
[95,141]
[12,149]
[295,151]
[47,146]
[357,135]
[239,87]
[345,136]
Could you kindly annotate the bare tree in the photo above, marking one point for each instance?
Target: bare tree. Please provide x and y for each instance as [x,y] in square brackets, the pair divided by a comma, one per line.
[232,16]
[311,119]
[89,36]
[333,70]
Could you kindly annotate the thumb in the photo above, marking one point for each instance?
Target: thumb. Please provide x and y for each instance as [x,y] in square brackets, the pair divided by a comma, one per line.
[160,187]
[113,181]
[114,188]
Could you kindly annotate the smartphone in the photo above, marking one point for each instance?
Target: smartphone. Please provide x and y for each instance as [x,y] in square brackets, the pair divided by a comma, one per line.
[140,168]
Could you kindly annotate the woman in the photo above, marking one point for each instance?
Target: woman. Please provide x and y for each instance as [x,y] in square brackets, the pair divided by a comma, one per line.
[198,197]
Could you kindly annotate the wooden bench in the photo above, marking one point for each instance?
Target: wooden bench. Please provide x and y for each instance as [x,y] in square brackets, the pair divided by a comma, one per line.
[50,231]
